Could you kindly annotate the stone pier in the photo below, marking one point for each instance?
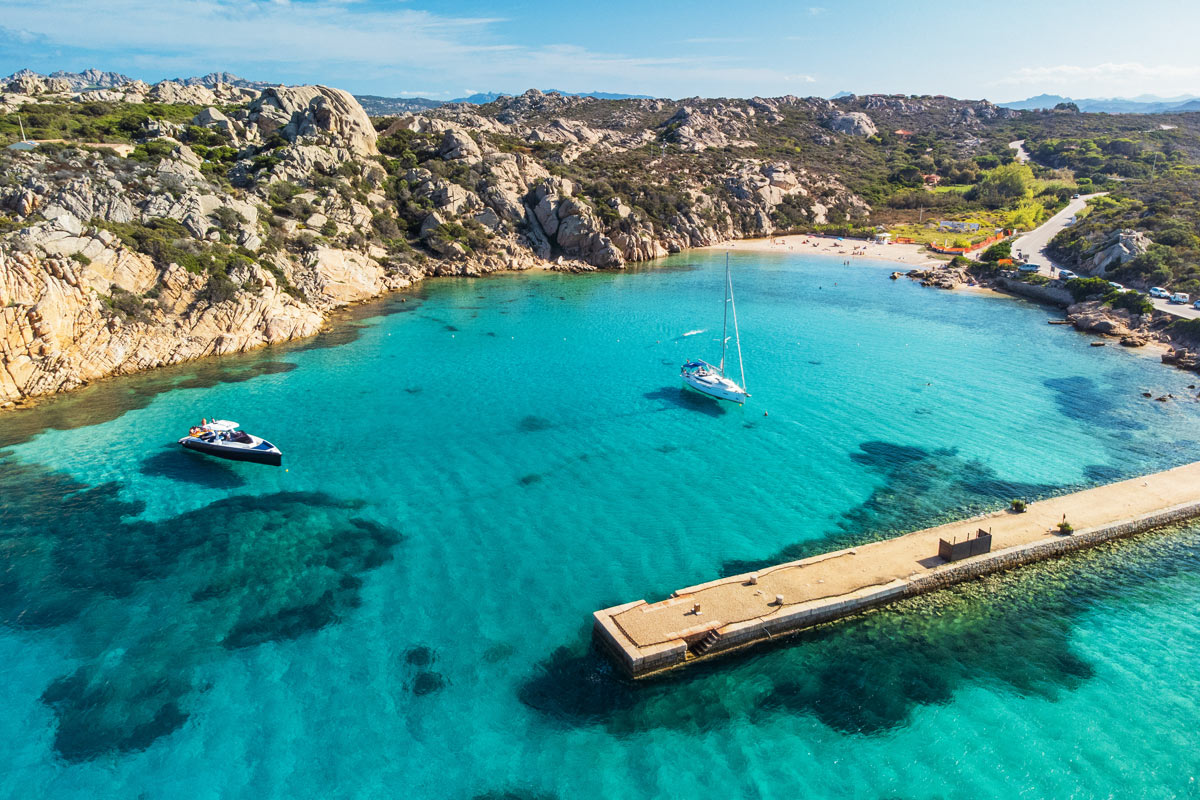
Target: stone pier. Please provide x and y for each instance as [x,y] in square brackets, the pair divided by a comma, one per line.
[731,613]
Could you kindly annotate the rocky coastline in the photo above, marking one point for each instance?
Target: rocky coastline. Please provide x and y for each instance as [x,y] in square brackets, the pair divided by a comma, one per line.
[247,223]
[238,216]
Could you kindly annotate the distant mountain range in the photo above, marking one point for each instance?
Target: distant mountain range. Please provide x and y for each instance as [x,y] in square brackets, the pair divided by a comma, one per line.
[1142,104]
[228,78]
[88,79]
[95,79]
[382,106]
[374,104]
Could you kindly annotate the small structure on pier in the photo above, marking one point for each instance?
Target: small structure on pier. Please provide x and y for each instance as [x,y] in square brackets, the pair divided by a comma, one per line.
[973,545]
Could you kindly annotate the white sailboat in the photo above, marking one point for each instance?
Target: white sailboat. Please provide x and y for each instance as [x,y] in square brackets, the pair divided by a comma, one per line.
[710,380]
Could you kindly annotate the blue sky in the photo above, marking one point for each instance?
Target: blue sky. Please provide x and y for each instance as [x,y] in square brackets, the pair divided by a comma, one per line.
[998,51]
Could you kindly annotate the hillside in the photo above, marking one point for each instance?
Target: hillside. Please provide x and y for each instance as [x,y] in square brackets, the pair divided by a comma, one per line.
[243,216]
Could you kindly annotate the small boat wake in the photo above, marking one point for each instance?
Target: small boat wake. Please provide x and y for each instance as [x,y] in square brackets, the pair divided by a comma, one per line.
[690,333]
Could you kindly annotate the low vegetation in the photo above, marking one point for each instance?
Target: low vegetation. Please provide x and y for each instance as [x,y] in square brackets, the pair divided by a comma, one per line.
[90,122]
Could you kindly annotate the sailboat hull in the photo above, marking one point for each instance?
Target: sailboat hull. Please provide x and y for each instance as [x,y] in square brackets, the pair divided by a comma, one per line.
[716,386]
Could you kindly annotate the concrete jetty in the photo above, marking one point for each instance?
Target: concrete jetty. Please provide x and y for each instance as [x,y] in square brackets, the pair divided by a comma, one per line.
[712,618]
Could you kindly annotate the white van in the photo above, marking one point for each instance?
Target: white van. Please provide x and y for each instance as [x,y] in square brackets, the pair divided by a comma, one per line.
[1180,297]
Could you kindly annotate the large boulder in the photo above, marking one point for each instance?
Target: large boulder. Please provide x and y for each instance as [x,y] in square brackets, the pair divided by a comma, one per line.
[855,123]
[172,92]
[1119,248]
[459,146]
[26,83]
[571,224]
[1096,318]
[311,111]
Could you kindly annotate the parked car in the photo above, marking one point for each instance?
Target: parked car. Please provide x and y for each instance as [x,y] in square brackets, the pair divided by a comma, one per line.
[1028,268]
[1116,286]
[1159,292]
[1074,197]
[1196,305]
[1066,274]
[1182,298]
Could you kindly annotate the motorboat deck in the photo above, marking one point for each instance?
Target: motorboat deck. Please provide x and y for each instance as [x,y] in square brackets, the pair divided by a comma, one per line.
[224,439]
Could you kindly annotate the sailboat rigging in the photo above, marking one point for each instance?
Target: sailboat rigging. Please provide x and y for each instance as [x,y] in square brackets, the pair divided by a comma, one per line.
[710,380]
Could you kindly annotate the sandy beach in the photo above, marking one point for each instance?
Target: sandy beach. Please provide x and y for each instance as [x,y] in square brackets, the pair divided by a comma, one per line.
[910,255]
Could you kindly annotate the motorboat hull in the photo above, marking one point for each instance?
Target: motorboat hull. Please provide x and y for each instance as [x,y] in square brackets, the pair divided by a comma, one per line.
[262,453]
[715,386]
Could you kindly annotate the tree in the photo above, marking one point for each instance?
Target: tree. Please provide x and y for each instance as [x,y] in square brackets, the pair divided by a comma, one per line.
[1004,184]
[1083,288]
[1071,107]
[907,175]
[997,251]
[1026,215]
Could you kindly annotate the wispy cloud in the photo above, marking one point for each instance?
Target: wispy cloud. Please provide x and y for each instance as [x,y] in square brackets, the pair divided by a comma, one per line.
[816,11]
[364,44]
[1125,71]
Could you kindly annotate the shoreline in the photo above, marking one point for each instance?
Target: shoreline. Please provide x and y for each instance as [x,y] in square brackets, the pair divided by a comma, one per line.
[912,255]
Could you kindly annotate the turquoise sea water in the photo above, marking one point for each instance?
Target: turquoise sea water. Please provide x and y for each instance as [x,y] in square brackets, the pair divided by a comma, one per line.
[404,610]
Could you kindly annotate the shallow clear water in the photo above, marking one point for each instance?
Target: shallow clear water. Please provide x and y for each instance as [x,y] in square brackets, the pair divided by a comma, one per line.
[470,473]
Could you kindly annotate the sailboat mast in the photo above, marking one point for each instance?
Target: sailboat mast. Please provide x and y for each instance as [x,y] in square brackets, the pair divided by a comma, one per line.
[725,319]
[736,336]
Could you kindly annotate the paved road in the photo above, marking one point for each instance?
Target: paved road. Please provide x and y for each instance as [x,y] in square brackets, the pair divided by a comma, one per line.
[1187,312]
[1033,244]
[1022,154]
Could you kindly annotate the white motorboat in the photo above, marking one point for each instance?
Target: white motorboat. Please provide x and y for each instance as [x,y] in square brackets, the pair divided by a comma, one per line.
[223,439]
[710,380]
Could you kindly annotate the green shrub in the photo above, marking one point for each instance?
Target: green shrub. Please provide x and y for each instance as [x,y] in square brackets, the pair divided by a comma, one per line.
[166,241]
[1186,329]
[997,251]
[470,234]
[228,219]
[1017,506]
[151,152]
[81,259]
[1083,288]
[1131,301]
[218,289]
[125,303]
